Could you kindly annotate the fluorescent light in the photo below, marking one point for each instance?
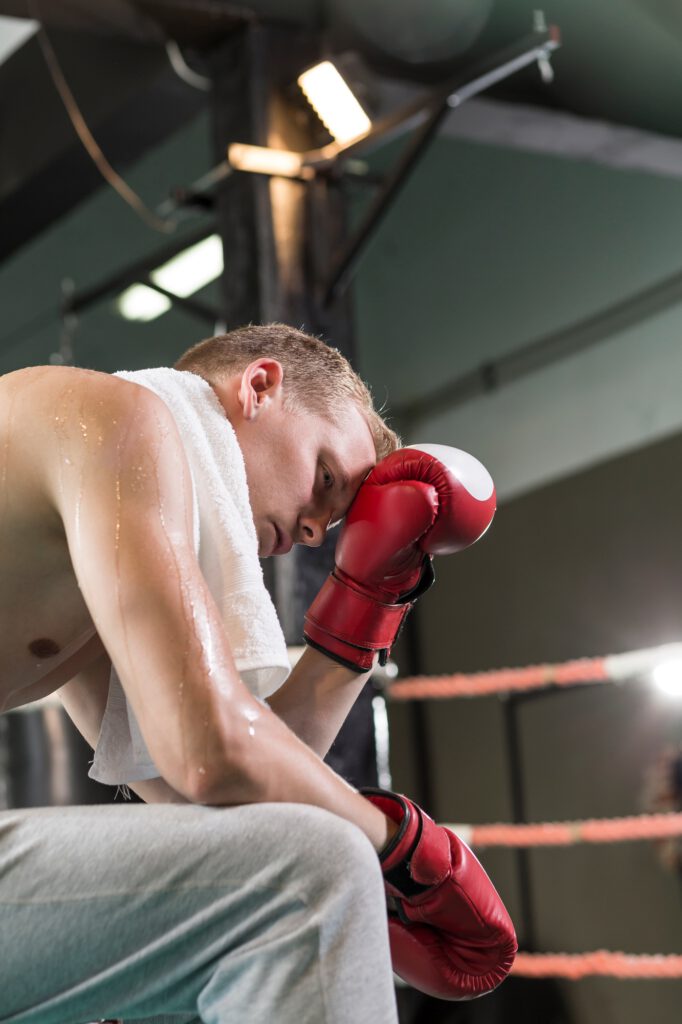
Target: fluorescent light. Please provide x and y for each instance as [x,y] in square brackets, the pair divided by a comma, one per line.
[262,160]
[182,275]
[13,33]
[142,303]
[668,677]
[333,102]
[192,268]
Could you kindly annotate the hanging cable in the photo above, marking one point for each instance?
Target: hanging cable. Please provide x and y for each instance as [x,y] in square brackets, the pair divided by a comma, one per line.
[183,70]
[91,146]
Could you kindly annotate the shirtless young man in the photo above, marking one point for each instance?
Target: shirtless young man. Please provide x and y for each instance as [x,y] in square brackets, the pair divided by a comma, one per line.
[256,892]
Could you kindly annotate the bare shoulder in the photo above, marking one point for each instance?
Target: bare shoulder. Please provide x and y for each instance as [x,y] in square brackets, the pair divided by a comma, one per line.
[55,396]
[52,417]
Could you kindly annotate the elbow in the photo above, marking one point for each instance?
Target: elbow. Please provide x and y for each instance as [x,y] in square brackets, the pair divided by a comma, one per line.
[220,781]
[219,764]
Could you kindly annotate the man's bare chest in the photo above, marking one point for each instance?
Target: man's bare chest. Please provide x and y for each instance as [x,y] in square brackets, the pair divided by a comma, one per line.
[44,621]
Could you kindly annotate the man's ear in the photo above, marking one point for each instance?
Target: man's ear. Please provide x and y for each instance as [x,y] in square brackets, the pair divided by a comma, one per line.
[260,385]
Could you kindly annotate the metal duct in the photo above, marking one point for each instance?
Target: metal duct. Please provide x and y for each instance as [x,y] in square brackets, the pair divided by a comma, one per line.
[411,33]
[404,32]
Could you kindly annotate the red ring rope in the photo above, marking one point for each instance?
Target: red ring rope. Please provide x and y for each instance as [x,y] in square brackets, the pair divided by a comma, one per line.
[613,668]
[482,684]
[580,965]
[566,833]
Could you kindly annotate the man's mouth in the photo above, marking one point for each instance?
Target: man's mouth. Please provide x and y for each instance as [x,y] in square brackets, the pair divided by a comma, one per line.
[282,543]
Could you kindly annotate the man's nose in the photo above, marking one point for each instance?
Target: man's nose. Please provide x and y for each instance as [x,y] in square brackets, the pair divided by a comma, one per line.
[313,528]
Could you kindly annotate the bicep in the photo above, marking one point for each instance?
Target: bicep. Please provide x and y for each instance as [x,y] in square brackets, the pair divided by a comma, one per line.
[126,508]
[123,504]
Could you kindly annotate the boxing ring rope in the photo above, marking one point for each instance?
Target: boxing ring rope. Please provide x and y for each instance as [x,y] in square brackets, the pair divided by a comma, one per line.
[617,668]
[574,966]
[614,668]
[567,833]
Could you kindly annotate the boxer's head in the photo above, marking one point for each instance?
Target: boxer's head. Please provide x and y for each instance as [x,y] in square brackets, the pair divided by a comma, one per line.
[305,422]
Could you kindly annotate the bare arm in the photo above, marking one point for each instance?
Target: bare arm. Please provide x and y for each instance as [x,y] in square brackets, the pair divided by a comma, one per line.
[314,703]
[84,699]
[316,698]
[121,485]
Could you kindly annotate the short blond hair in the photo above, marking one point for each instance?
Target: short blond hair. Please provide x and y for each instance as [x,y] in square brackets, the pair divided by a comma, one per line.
[317,377]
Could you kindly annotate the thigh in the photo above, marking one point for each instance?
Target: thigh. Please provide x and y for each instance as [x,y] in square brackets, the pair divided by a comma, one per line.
[121,911]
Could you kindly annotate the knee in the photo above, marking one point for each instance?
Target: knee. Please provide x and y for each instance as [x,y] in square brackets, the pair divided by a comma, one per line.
[331,849]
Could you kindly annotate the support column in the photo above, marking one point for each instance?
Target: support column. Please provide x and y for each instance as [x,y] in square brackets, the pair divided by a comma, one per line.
[280,238]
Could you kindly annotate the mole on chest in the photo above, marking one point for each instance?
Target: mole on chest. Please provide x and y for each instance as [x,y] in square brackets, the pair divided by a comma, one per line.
[44,648]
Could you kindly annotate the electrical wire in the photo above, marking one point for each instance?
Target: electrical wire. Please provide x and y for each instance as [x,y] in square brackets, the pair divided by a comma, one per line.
[91,146]
[183,70]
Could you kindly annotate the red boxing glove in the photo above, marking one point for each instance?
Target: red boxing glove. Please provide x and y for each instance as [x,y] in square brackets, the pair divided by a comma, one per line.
[450,934]
[417,502]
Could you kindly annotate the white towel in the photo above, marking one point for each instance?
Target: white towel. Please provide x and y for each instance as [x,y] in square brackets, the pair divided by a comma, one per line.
[227,549]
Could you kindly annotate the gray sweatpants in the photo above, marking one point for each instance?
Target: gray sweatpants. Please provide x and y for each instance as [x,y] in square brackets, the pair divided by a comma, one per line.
[262,913]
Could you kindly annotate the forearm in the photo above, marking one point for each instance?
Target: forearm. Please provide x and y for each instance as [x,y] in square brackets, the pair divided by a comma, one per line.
[275,766]
[290,773]
[315,700]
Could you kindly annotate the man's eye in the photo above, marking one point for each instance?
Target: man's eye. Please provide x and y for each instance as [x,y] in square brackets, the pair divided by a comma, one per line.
[327,477]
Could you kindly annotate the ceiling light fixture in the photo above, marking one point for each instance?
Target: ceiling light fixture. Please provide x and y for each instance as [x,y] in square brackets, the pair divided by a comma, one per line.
[184,274]
[192,268]
[333,101]
[141,303]
[262,160]
[14,32]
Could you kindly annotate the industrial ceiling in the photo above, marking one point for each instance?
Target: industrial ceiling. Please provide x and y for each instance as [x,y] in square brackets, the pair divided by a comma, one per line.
[612,103]
[620,62]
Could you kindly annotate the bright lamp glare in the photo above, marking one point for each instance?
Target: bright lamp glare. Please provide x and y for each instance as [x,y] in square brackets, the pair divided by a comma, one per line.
[261,160]
[141,303]
[186,273]
[13,33]
[668,677]
[192,268]
[333,102]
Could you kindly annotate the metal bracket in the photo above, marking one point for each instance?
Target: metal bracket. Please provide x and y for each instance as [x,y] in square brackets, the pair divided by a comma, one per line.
[535,49]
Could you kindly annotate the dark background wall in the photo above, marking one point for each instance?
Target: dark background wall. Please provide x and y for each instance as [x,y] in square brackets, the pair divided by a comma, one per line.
[591,565]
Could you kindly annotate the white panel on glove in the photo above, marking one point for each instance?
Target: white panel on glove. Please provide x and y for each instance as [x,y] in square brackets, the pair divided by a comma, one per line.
[471,473]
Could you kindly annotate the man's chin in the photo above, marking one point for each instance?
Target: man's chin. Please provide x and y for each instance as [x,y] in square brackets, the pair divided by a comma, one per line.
[267,540]
[265,550]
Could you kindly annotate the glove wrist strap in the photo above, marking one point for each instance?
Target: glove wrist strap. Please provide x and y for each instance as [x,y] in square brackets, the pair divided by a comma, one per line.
[396,855]
[350,626]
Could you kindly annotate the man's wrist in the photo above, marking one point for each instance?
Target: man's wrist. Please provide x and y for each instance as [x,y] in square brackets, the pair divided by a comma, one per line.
[379,828]
[330,672]
[392,829]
